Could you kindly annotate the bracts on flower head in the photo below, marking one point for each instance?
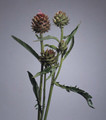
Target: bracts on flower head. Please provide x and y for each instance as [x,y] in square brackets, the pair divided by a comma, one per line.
[62,47]
[60,19]
[40,23]
[49,58]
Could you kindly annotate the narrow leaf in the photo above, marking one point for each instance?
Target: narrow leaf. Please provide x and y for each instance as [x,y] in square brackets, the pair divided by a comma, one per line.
[46,70]
[70,48]
[69,37]
[51,46]
[79,91]
[25,45]
[48,38]
[34,84]
[35,89]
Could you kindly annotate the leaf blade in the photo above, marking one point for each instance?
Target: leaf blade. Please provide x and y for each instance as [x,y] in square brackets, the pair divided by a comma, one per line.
[46,70]
[34,84]
[35,89]
[51,46]
[70,48]
[79,91]
[47,38]
[25,45]
[70,36]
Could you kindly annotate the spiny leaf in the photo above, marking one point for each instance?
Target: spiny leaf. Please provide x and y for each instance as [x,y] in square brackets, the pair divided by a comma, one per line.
[77,90]
[25,45]
[69,37]
[51,46]
[35,88]
[70,48]
[48,38]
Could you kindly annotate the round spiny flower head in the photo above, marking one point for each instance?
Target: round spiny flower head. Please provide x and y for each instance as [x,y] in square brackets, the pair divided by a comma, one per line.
[40,23]
[49,58]
[60,19]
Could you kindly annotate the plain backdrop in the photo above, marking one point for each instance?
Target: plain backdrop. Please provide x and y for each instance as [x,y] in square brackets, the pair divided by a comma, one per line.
[84,67]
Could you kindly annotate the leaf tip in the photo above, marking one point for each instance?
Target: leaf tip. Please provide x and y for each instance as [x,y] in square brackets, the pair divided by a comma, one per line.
[12,36]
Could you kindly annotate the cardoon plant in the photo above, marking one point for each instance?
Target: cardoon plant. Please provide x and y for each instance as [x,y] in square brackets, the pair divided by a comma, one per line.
[51,60]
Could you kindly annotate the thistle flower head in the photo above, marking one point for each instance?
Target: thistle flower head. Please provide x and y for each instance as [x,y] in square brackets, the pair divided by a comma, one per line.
[49,57]
[40,23]
[60,19]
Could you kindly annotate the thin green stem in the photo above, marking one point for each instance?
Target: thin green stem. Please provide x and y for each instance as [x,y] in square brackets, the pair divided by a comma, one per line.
[61,38]
[40,93]
[61,34]
[44,96]
[41,80]
[49,98]
[51,89]
[52,82]
[59,68]
[41,43]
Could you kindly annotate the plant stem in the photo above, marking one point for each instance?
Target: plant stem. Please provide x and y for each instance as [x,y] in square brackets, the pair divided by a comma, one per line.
[51,89]
[53,80]
[49,98]
[59,68]
[44,96]
[41,79]
[61,34]
[61,38]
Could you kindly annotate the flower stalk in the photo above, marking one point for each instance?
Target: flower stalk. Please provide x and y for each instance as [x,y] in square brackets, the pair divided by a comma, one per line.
[61,34]
[41,78]
[44,96]
[50,96]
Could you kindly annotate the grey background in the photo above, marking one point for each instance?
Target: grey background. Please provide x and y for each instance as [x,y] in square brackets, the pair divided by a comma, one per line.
[84,67]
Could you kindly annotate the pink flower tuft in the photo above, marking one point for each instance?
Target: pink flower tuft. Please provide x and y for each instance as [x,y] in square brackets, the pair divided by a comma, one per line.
[40,12]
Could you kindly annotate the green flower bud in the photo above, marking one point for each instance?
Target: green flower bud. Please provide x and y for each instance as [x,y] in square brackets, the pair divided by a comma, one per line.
[49,58]
[60,19]
[62,47]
